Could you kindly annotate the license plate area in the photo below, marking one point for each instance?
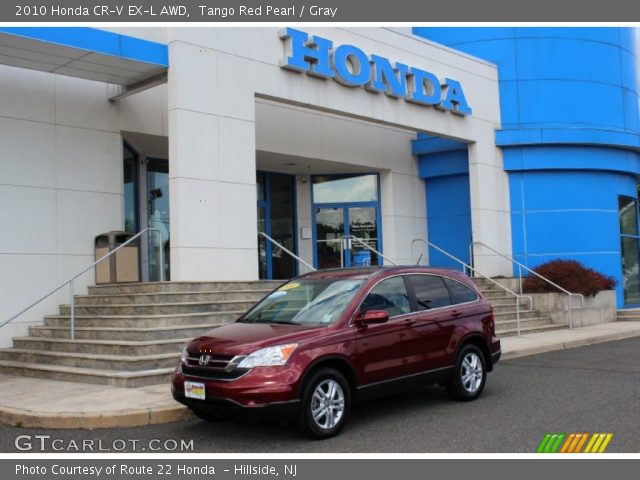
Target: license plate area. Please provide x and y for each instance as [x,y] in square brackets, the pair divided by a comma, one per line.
[194,390]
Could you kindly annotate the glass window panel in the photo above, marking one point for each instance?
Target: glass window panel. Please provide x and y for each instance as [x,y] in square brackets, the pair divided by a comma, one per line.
[260,186]
[627,210]
[460,293]
[630,270]
[363,224]
[262,244]
[389,295]
[158,211]
[329,232]
[281,202]
[330,189]
[130,200]
[430,291]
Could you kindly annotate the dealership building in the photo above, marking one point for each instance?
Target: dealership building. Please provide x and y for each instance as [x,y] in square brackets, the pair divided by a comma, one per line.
[470,141]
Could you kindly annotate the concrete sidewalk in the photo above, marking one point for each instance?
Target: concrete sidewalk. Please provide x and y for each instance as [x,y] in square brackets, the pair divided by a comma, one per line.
[41,403]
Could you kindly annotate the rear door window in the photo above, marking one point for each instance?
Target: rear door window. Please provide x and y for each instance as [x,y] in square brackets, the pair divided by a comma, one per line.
[430,291]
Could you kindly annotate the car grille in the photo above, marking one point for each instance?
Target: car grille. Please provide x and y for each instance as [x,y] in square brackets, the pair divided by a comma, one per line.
[218,367]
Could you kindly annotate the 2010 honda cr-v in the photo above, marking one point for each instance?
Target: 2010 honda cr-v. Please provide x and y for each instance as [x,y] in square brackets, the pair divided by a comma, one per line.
[328,338]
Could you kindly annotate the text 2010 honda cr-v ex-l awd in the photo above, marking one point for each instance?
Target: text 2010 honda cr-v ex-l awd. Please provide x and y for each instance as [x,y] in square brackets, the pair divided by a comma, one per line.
[328,338]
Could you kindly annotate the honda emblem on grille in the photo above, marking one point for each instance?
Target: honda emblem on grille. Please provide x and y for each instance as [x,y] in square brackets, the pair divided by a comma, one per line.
[204,359]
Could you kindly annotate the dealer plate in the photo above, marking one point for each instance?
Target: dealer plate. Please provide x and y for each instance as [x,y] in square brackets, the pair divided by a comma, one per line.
[194,390]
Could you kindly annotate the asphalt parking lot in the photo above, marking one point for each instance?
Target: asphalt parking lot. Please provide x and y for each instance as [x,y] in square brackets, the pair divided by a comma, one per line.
[588,389]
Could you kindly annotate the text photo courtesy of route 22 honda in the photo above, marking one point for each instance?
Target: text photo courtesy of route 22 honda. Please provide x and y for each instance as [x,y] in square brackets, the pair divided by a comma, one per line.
[326,339]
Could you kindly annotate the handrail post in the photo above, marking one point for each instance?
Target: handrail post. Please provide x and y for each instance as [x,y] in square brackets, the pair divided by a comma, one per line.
[518,316]
[520,277]
[342,240]
[160,251]
[72,311]
[570,312]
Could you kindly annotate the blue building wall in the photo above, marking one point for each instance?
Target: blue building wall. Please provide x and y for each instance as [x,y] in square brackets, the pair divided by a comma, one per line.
[445,167]
[570,135]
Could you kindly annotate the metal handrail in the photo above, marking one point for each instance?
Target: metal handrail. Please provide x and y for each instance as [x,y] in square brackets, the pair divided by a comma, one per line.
[518,296]
[367,246]
[569,294]
[69,282]
[287,251]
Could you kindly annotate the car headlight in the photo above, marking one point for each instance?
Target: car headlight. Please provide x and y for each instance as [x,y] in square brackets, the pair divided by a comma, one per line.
[184,355]
[269,357]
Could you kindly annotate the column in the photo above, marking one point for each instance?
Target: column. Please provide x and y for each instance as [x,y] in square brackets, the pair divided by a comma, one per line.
[212,171]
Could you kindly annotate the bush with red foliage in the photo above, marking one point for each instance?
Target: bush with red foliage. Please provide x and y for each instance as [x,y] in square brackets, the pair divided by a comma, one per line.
[570,275]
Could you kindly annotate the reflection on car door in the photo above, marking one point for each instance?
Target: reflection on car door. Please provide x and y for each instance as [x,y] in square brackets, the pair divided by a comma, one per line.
[392,349]
[434,318]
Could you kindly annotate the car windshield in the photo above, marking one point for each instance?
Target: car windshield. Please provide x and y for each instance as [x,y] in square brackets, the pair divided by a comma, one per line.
[305,302]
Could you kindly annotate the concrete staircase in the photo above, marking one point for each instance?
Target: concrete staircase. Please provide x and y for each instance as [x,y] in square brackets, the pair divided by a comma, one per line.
[128,335]
[629,314]
[504,309]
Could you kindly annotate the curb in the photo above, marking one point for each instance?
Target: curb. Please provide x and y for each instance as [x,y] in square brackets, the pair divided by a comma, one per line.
[71,420]
[582,342]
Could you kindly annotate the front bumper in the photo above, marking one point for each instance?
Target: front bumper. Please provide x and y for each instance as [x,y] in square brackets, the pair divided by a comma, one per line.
[285,409]
[263,391]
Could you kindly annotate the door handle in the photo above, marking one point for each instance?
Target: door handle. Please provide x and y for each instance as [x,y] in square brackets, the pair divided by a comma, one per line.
[409,321]
[456,313]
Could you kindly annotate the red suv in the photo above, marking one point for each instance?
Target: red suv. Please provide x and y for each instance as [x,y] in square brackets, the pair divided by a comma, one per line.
[328,338]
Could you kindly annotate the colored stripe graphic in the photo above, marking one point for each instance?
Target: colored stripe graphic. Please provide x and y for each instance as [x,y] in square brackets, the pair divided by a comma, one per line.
[573,442]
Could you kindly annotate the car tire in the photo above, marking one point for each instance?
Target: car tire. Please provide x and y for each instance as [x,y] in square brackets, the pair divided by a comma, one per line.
[209,416]
[325,404]
[469,376]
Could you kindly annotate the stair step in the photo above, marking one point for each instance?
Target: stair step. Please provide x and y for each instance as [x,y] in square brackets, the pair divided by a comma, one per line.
[92,361]
[502,315]
[101,347]
[172,297]
[513,331]
[511,324]
[134,334]
[149,321]
[163,287]
[87,375]
[157,309]
[497,294]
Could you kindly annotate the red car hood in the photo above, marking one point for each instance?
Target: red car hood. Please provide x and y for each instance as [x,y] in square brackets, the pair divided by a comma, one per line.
[245,338]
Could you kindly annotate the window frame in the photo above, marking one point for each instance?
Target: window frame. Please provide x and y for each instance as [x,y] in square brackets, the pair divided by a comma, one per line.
[412,295]
[406,286]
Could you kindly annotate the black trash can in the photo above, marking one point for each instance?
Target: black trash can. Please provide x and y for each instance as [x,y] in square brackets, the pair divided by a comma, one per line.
[121,267]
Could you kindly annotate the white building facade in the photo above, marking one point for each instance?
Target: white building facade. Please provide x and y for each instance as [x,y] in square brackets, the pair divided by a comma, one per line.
[304,134]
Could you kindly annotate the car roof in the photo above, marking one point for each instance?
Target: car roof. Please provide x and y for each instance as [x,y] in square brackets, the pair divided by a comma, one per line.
[364,273]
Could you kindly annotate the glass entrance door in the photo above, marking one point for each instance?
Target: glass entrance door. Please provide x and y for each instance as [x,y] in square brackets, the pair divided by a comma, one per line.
[346,206]
[363,224]
[335,225]
[329,235]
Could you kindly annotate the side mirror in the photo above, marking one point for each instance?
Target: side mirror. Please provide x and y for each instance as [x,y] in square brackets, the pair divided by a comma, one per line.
[372,317]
